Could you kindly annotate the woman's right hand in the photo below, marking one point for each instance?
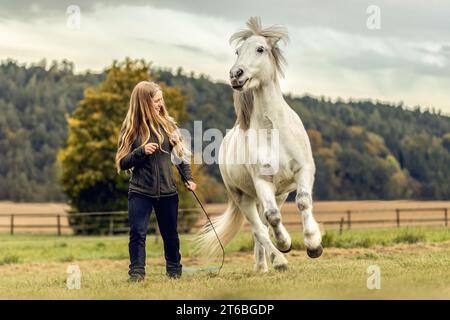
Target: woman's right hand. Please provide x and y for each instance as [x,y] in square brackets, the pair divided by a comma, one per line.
[149,148]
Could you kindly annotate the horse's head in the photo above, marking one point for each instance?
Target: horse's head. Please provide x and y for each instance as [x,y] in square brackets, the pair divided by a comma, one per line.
[259,58]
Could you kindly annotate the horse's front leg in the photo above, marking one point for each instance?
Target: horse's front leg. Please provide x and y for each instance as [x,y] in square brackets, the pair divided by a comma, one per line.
[311,231]
[265,191]
[260,256]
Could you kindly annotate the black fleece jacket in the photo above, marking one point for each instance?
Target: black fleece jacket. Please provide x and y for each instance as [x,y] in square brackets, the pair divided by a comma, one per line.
[152,174]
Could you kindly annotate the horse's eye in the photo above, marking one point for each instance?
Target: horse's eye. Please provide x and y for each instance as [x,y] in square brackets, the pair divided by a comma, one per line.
[236,52]
[260,49]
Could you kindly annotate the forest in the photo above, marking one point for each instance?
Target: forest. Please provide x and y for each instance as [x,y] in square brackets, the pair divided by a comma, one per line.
[362,149]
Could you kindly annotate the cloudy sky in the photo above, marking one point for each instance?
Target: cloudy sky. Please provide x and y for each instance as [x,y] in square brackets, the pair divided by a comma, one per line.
[331,51]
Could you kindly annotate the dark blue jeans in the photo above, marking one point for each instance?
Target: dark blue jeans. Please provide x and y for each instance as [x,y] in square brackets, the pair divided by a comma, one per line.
[139,210]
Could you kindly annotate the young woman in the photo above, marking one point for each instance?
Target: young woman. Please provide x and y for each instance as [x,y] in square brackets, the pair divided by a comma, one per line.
[148,138]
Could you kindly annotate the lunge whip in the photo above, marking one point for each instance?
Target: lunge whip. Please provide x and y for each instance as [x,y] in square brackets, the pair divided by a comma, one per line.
[212,226]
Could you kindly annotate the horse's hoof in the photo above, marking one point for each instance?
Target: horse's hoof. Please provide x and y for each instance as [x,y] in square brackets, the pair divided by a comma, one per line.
[315,253]
[279,262]
[287,250]
[261,269]
[281,267]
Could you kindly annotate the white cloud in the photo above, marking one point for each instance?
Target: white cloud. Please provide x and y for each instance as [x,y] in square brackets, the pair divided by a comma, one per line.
[346,61]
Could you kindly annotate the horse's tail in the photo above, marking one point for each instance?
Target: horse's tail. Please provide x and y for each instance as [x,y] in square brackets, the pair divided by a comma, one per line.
[226,225]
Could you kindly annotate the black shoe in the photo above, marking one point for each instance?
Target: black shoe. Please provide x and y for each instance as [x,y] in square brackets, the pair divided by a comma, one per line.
[136,278]
[174,275]
[174,270]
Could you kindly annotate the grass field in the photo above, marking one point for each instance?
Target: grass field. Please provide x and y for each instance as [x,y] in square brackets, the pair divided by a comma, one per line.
[414,263]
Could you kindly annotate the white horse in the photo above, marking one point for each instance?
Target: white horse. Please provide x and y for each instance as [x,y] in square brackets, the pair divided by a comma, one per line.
[257,189]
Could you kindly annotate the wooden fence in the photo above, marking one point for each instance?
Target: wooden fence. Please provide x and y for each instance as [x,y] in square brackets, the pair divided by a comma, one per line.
[13,223]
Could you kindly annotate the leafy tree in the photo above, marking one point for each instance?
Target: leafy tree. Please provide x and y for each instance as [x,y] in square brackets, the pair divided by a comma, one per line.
[88,174]
[446,141]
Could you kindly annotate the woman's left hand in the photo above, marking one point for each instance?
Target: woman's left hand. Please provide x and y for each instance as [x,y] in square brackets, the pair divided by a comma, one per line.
[190,185]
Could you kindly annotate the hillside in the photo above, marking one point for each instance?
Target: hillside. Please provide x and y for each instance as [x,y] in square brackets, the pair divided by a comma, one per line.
[33,102]
[363,150]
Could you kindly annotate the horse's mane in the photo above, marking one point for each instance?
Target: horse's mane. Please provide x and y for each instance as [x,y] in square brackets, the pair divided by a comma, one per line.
[243,106]
[243,101]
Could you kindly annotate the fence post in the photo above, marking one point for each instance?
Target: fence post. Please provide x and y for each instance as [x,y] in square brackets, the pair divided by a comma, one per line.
[397,212]
[83,224]
[446,216]
[58,222]
[12,225]
[341,226]
[349,219]
[111,225]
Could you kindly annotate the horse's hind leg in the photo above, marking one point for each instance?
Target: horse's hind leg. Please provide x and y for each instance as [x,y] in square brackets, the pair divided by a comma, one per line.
[311,231]
[247,206]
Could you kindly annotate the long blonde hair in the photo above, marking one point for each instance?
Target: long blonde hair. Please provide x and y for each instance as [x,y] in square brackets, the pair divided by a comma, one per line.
[143,120]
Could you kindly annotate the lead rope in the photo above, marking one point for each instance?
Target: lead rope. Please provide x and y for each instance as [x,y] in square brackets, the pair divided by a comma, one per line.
[212,226]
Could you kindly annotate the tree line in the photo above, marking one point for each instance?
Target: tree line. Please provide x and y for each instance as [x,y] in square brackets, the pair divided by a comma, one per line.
[362,149]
